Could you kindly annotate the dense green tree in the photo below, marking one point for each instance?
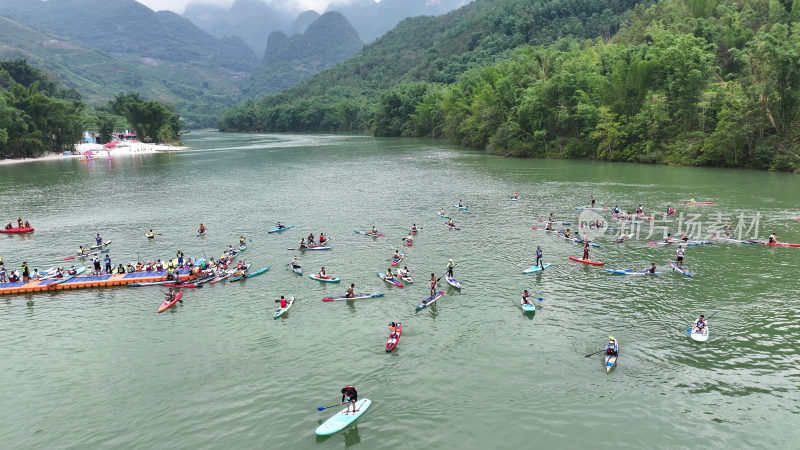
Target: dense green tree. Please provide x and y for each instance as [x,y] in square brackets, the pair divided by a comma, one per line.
[148,118]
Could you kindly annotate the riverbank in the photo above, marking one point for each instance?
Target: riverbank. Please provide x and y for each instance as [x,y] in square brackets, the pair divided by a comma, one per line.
[99,151]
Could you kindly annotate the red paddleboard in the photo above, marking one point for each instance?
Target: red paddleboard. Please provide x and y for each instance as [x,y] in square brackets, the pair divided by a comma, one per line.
[167,305]
[587,261]
[391,343]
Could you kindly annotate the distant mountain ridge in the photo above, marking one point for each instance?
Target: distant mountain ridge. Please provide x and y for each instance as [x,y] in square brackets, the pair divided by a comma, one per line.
[103,47]
[251,20]
[329,39]
[255,20]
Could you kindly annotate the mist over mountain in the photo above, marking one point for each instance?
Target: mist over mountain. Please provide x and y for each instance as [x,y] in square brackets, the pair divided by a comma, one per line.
[329,39]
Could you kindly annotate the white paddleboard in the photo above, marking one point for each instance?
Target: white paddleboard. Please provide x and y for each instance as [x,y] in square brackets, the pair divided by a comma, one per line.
[341,420]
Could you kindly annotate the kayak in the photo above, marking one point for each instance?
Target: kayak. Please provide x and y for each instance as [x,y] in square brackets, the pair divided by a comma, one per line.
[356,297]
[527,307]
[66,278]
[369,233]
[453,227]
[206,279]
[610,361]
[329,279]
[697,203]
[777,244]
[391,343]
[95,246]
[169,304]
[678,242]
[630,272]
[443,215]
[453,282]
[581,208]
[430,300]
[699,337]
[738,241]
[184,285]
[257,272]
[515,199]
[22,230]
[390,280]
[147,283]
[463,208]
[218,279]
[682,270]
[282,311]
[396,261]
[587,261]
[409,243]
[310,248]
[85,255]
[275,230]
[578,240]
[536,269]
[201,234]
[297,269]
[343,419]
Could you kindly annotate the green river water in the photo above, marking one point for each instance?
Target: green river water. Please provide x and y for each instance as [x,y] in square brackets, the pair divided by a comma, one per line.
[100,368]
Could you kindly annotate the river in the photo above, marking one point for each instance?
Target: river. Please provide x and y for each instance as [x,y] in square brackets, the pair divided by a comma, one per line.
[100,368]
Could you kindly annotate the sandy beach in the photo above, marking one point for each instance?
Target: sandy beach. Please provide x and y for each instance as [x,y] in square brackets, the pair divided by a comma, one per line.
[98,150]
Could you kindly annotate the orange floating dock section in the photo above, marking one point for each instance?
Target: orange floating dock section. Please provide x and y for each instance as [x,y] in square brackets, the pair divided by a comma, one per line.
[85,282]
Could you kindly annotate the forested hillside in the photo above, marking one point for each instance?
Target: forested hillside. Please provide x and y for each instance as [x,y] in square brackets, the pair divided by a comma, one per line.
[101,47]
[683,81]
[38,115]
[431,49]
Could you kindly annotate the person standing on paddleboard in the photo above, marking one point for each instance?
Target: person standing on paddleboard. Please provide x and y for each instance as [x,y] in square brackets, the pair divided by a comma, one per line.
[592,201]
[538,256]
[433,285]
[349,396]
[450,266]
[586,251]
[679,256]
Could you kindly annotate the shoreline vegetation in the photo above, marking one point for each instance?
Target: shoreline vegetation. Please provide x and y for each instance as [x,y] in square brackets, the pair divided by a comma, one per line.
[682,82]
[38,116]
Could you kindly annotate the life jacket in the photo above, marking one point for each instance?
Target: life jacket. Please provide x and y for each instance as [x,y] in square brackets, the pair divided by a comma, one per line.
[283,303]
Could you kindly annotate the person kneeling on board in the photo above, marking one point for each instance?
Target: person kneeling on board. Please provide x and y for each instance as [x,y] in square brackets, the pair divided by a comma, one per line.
[700,325]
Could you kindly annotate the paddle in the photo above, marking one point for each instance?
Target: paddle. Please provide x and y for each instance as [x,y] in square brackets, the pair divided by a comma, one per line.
[594,353]
[712,315]
[323,408]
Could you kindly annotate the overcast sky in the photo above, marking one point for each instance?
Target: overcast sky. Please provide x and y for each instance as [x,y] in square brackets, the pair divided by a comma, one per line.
[298,5]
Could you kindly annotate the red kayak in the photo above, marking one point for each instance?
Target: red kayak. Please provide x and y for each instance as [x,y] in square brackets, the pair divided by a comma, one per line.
[185,285]
[777,244]
[17,230]
[391,343]
[169,304]
[587,261]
